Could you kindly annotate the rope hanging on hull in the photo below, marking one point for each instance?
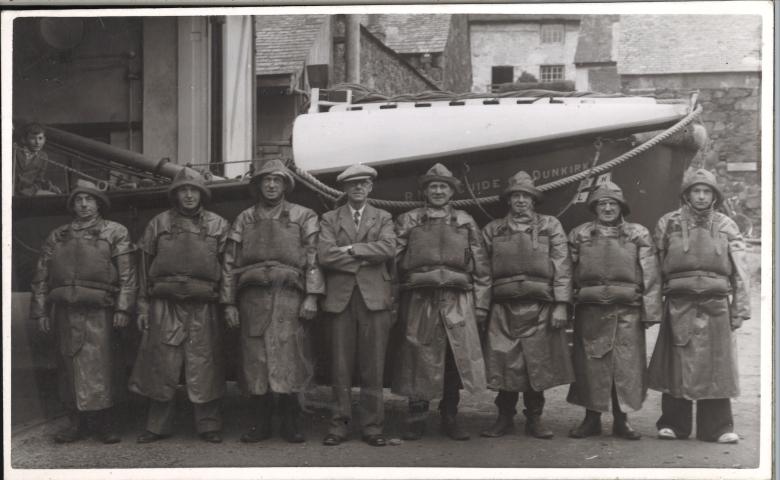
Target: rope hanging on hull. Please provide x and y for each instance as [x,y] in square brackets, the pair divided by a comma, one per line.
[333,194]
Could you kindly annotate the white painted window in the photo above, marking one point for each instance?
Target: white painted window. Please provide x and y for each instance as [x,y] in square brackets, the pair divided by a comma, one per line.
[551,73]
[552,33]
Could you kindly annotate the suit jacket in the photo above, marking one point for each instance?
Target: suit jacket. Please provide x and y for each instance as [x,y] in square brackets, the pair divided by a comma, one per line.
[374,250]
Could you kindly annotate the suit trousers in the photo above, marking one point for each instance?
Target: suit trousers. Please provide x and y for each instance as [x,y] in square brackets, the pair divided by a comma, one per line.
[713,417]
[208,417]
[358,335]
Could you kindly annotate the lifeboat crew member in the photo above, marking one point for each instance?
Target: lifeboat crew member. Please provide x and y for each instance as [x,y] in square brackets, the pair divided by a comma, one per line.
[85,281]
[445,298]
[617,292]
[357,248]
[181,280]
[272,254]
[705,285]
[526,348]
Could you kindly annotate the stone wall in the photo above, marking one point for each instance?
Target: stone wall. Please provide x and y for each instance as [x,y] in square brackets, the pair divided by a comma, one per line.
[384,70]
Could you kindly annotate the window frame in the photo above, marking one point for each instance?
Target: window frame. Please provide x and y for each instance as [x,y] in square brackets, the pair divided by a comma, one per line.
[555,33]
[550,79]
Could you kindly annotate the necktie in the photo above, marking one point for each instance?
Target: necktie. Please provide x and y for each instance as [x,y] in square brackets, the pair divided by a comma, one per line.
[357,218]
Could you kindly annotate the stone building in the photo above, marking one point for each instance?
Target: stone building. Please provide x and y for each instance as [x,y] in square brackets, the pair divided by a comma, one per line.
[505,48]
[596,57]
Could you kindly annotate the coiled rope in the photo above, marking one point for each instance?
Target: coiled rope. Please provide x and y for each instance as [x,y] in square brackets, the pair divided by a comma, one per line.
[333,194]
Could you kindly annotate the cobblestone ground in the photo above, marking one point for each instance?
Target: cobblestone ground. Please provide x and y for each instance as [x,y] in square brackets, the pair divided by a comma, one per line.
[32,446]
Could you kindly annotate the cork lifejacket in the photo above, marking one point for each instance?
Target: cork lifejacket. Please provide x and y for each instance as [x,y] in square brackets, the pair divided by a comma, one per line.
[696,262]
[186,265]
[521,265]
[272,254]
[607,270]
[81,270]
[438,255]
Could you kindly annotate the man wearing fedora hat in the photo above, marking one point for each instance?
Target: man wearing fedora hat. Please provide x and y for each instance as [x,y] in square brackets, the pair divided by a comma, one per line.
[445,282]
[706,290]
[357,248]
[180,279]
[85,281]
[617,294]
[274,284]
[525,348]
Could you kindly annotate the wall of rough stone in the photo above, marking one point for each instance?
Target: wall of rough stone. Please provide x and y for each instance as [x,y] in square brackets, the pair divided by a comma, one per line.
[457,56]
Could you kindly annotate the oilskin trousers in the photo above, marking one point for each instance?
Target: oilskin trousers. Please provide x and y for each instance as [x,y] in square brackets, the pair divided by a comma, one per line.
[533,401]
[713,417]
[448,406]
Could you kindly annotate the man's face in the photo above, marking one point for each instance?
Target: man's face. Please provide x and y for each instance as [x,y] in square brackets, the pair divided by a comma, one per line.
[438,193]
[357,191]
[272,187]
[35,141]
[188,197]
[85,206]
[521,203]
[607,210]
[701,196]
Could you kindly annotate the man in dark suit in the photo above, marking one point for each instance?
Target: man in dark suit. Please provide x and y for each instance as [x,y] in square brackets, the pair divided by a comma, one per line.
[357,244]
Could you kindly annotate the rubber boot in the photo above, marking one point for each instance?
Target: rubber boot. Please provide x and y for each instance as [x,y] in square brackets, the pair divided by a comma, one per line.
[504,424]
[76,429]
[104,427]
[590,426]
[261,430]
[416,420]
[621,428]
[290,427]
[534,404]
[450,427]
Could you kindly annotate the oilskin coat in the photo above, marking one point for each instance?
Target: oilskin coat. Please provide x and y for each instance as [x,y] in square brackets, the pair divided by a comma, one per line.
[433,316]
[610,319]
[82,309]
[274,351]
[522,351]
[184,329]
[695,355]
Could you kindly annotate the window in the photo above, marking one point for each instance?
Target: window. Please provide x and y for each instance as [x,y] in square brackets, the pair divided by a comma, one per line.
[552,33]
[551,73]
[503,75]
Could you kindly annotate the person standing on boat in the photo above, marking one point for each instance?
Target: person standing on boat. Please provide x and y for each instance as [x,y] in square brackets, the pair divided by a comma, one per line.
[445,276]
[357,247]
[272,254]
[705,284]
[181,282]
[525,348]
[85,281]
[30,163]
[617,295]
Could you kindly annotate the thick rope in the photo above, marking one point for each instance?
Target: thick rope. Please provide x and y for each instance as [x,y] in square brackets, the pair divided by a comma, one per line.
[331,193]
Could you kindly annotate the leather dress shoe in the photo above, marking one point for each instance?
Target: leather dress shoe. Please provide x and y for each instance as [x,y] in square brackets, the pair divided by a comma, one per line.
[332,440]
[108,437]
[375,440]
[589,427]
[69,435]
[535,428]
[450,427]
[211,437]
[256,434]
[504,424]
[623,429]
[148,437]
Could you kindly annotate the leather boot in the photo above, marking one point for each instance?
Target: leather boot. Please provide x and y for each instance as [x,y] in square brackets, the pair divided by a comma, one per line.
[589,427]
[535,428]
[414,430]
[416,420]
[290,427]
[450,427]
[504,424]
[621,428]
[104,427]
[76,429]
[261,430]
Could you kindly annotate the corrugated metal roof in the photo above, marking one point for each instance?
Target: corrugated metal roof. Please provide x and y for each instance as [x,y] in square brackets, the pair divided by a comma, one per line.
[594,44]
[419,33]
[282,42]
[659,44]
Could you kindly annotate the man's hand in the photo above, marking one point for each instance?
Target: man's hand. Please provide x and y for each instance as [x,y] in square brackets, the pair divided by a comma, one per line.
[231,316]
[736,322]
[143,322]
[308,307]
[344,248]
[44,324]
[120,319]
[560,316]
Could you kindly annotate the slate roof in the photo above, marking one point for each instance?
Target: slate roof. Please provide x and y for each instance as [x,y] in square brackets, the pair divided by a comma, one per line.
[420,33]
[282,42]
[536,18]
[658,44]
[594,44]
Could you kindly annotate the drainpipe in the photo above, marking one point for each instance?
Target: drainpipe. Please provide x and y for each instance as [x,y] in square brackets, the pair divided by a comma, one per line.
[352,53]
